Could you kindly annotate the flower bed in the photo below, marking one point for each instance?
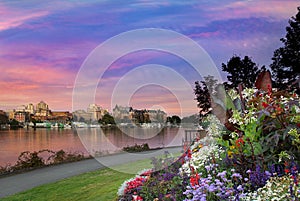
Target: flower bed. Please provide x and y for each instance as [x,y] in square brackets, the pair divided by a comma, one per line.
[258,161]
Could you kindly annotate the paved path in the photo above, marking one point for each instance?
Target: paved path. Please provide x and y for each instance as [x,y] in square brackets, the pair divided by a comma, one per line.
[20,182]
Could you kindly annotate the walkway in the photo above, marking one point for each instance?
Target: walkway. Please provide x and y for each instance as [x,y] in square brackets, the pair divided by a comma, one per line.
[20,182]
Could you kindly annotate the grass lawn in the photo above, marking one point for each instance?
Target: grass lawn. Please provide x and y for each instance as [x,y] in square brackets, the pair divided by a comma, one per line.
[99,185]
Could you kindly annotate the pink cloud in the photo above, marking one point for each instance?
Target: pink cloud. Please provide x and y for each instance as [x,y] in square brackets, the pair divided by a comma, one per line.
[11,18]
[245,9]
[22,83]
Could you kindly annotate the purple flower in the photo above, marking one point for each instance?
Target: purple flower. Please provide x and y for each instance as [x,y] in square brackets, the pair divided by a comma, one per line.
[236,175]
[240,188]
[222,174]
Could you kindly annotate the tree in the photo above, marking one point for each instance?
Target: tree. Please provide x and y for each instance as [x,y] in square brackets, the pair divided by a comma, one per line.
[203,98]
[286,59]
[174,120]
[241,71]
[107,119]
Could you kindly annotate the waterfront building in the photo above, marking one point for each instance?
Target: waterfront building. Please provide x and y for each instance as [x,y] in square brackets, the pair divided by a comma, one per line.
[30,108]
[21,117]
[123,113]
[82,116]
[60,117]
[97,112]
[42,109]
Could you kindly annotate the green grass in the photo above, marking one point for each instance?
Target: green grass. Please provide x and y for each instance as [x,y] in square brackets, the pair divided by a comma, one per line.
[99,185]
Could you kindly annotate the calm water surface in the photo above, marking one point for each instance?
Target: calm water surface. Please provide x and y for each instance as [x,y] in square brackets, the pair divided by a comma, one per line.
[93,141]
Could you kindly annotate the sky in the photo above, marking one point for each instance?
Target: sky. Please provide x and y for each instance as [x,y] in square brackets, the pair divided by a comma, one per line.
[46,46]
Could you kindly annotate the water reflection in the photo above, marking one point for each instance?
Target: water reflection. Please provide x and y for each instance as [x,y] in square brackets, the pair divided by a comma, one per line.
[86,140]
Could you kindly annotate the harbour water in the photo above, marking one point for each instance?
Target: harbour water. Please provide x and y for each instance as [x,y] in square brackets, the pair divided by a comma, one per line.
[94,141]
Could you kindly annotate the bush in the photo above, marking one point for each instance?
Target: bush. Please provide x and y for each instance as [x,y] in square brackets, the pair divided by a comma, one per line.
[137,148]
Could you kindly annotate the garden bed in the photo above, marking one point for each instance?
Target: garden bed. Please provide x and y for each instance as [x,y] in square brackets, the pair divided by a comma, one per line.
[258,160]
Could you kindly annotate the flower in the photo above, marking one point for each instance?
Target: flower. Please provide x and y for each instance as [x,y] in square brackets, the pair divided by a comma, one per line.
[264,104]
[239,142]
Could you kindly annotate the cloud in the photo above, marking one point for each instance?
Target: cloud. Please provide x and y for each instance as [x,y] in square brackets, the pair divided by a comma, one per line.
[11,18]
[272,9]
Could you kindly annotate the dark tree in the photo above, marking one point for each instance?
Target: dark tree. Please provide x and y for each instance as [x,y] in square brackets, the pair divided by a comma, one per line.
[286,59]
[174,120]
[241,71]
[107,119]
[203,98]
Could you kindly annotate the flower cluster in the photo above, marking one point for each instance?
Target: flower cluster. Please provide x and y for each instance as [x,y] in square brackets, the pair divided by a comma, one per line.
[199,158]
[277,188]
[259,161]
[132,186]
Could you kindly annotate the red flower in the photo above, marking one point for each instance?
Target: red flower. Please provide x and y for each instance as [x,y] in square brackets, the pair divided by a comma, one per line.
[194,180]
[189,153]
[264,104]
[239,142]
[286,171]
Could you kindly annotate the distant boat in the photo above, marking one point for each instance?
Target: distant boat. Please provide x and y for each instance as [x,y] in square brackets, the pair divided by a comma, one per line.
[57,125]
[43,125]
[94,125]
[80,125]
[67,126]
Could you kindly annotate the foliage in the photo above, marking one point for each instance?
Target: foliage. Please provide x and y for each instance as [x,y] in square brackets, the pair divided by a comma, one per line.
[191,119]
[267,127]
[174,119]
[163,182]
[14,123]
[30,160]
[203,98]
[263,148]
[241,70]
[107,119]
[286,59]
[3,118]
[137,148]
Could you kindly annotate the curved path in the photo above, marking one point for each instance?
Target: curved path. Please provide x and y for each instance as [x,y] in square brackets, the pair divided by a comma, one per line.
[20,182]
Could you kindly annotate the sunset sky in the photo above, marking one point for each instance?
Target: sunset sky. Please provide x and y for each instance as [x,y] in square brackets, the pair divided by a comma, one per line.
[43,45]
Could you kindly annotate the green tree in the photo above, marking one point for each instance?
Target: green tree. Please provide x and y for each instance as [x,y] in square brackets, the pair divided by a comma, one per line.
[107,119]
[241,71]
[286,59]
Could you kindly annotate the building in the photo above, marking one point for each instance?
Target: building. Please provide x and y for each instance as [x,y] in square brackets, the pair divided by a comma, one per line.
[82,116]
[96,112]
[30,108]
[42,109]
[157,116]
[21,117]
[60,117]
[123,113]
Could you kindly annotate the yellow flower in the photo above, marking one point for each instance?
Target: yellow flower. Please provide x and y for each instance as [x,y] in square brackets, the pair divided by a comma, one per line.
[230,153]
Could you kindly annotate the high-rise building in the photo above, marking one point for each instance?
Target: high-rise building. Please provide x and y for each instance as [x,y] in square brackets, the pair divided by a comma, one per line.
[42,109]
[30,108]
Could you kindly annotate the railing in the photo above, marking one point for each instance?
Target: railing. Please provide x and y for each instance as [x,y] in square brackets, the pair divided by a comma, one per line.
[190,136]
